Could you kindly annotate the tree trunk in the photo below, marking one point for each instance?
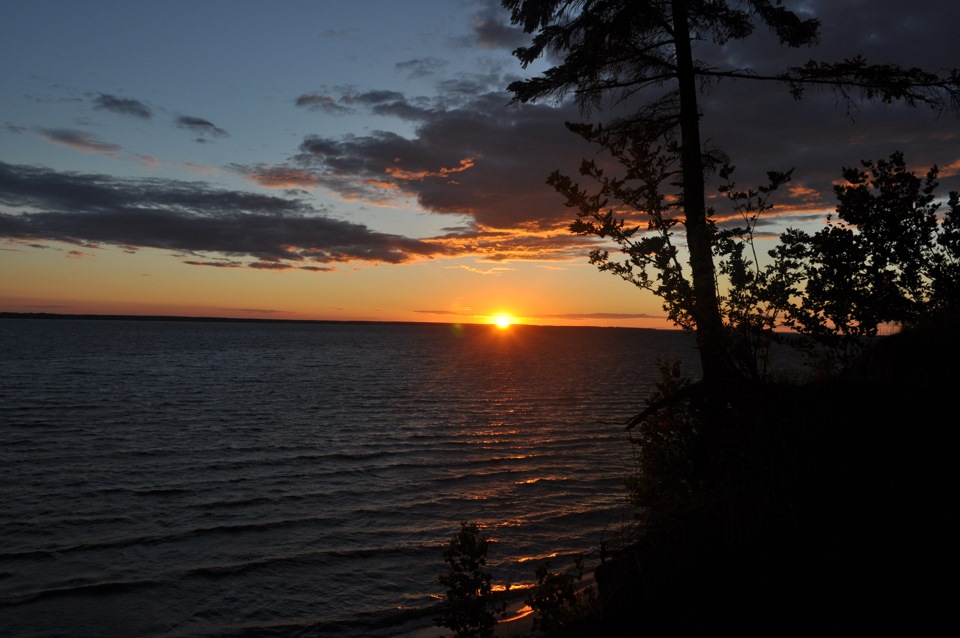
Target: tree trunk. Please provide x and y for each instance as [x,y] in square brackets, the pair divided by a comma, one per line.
[711,341]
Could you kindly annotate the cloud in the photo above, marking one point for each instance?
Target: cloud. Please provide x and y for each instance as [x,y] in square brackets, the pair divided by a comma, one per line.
[475,156]
[496,271]
[188,217]
[518,244]
[199,126]
[123,106]
[277,176]
[374,97]
[379,102]
[202,169]
[601,315]
[270,265]
[445,312]
[421,67]
[149,162]
[79,141]
[319,102]
[268,311]
[214,264]
[950,170]
[492,28]
[481,157]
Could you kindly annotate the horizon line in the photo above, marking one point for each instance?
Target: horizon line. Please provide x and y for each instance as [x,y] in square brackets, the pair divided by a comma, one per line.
[226,319]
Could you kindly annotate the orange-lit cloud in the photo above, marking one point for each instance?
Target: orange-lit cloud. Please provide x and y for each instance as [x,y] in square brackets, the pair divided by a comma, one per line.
[951,169]
[201,169]
[801,192]
[149,162]
[499,270]
[417,176]
[279,176]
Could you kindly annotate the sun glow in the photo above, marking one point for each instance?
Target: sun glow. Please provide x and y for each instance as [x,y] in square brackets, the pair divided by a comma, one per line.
[502,320]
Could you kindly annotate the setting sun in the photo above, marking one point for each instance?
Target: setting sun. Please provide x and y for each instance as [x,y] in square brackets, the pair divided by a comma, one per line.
[502,320]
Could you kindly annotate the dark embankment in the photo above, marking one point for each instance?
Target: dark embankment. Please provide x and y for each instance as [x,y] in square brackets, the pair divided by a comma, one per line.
[818,505]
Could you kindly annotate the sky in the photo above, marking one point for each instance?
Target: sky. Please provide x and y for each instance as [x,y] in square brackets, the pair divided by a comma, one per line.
[362,160]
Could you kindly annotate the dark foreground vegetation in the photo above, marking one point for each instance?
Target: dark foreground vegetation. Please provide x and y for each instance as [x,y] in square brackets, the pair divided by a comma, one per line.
[801,506]
[805,505]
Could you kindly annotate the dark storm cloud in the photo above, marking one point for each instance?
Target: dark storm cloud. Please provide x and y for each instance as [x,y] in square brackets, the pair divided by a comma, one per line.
[123,106]
[190,217]
[199,126]
[78,141]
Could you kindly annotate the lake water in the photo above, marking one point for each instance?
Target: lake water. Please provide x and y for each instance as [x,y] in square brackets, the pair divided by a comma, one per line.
[243,479]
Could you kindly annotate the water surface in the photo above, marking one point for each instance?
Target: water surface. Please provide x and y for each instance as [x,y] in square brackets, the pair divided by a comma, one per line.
[225,479]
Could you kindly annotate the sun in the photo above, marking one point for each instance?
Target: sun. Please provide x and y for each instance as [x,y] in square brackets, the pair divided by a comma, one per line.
[502,320]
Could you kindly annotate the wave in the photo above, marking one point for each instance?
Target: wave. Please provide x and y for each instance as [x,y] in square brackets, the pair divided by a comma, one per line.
[90,589]
[179,536]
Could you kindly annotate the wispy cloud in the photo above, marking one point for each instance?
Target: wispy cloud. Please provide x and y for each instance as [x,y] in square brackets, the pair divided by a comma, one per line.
[483,271]
[79,141]
[277,176]
[582,316]
[323,103]
[200,127]
[421,67]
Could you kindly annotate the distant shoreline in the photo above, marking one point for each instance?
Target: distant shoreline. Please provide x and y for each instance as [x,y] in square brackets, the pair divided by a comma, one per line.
[177,318]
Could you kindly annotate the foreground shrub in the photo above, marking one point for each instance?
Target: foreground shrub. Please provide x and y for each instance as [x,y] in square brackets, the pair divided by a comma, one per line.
[470,611]
[562,605]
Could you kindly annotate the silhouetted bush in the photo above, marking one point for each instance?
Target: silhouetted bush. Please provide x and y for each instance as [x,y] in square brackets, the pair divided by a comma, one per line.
[470,610]
[563,606]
